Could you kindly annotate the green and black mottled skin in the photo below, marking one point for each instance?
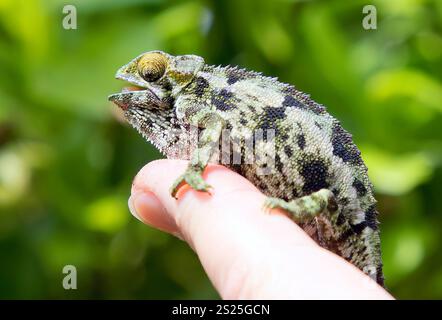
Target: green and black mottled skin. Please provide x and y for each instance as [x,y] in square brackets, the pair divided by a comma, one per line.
[318,176]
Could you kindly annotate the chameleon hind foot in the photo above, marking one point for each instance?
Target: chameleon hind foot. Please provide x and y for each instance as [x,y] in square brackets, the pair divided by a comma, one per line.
[305,208]
[193,177]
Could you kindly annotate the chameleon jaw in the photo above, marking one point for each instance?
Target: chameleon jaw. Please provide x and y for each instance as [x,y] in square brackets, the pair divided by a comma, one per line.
[139,98]
[137,94]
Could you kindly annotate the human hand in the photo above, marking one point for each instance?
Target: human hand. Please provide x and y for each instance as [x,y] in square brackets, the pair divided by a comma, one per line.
[247,251]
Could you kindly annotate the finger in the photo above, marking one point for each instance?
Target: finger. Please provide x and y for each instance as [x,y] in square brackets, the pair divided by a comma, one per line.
[246,252]
[231,196]
[146,207]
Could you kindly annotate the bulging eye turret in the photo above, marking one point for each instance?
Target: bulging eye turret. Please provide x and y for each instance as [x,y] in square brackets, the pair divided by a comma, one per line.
[152,66]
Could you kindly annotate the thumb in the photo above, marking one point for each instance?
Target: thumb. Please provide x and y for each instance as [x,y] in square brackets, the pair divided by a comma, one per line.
[246,251]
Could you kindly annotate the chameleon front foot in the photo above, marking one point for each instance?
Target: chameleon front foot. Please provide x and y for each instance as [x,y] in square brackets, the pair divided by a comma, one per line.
[193,178]
[305,208]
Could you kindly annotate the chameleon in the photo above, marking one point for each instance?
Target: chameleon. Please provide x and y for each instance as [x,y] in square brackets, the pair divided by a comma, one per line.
[316,174]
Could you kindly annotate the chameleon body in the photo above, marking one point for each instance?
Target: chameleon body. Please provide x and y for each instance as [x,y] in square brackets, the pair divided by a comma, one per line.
[317,175]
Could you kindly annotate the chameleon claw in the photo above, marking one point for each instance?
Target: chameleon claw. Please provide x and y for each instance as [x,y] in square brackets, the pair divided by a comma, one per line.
[194,180]
[269,204]
[180,182]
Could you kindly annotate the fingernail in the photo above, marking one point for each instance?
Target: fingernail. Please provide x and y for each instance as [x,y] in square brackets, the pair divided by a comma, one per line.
[146,207]
[141,204]
[133,211]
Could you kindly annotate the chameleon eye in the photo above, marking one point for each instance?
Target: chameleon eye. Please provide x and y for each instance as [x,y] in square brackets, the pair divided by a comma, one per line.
[152,66]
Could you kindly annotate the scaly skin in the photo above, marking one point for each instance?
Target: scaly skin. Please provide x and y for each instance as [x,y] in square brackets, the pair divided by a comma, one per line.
[302,158]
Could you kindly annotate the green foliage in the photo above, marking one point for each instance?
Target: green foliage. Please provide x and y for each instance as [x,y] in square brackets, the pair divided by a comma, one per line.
[67,159]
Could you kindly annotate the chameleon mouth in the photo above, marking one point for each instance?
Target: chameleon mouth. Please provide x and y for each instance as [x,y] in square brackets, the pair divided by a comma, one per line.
[137,93]
[132,88]
[135,96]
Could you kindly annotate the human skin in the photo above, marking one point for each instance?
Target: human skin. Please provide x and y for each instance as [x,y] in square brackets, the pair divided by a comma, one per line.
[247,251]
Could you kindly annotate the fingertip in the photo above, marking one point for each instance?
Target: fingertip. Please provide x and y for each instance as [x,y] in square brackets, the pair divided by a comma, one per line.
[145,206]
[132,210]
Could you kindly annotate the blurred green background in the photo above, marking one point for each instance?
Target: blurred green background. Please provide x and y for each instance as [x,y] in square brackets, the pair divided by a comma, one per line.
[67,160]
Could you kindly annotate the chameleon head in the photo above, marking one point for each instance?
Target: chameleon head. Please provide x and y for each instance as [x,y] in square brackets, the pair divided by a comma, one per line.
[156,79]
